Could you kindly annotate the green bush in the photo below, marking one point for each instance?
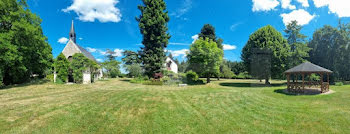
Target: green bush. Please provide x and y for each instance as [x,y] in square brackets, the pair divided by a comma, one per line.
[59,81]
[314,77]
[61,66]
[139,80]
[243,75]
[339,83]
[153,82]
[50,77]
[193,78]
[1,77]
[79,64]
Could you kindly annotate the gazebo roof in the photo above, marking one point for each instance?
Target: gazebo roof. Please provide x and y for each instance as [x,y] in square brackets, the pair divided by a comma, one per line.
[308,67]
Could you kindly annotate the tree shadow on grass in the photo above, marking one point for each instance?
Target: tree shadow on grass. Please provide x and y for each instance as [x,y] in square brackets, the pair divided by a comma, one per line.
[32,83]
[251,84]
[125,80]
[306,92]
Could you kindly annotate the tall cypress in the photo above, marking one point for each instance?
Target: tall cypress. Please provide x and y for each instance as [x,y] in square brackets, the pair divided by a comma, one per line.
[153,26]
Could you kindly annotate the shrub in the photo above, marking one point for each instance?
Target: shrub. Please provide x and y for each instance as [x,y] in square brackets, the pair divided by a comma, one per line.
[191,76]
[243,75]
[79,64]
[61,66]
[59,81]
[1,84]
[339,84]
[314,77]
[139,80]
[50,77]
[153,82]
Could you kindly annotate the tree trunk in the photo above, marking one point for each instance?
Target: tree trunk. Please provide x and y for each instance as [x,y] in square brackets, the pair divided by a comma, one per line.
[267,81]
[208,79]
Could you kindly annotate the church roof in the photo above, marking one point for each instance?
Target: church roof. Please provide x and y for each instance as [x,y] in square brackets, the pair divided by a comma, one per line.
[308,67]
[78,49]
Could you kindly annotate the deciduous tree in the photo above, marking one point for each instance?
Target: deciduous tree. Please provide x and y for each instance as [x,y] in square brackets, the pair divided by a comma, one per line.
[206,57]
[265,54]
[24,50]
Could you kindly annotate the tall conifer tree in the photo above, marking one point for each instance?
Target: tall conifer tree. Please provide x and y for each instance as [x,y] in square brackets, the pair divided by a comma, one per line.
[153,26]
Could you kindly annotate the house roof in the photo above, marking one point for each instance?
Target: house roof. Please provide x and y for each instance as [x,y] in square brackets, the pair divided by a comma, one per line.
[308,67]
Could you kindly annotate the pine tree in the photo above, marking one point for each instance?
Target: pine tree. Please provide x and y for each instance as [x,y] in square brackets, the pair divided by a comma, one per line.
[153,26]
[297,41]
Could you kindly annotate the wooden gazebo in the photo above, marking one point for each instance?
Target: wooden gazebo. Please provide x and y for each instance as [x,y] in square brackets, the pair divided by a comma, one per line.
[304,70]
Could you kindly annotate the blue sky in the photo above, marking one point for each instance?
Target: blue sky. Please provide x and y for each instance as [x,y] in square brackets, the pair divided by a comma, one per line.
[111,24]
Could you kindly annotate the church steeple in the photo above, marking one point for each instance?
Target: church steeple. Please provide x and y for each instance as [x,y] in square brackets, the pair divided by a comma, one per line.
[72,35]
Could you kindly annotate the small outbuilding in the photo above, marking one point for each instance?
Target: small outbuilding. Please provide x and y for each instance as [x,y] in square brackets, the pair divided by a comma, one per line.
[171,65]
[305,70]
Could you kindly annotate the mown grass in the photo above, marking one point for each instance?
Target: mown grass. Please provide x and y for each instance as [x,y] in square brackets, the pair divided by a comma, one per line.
[118,106]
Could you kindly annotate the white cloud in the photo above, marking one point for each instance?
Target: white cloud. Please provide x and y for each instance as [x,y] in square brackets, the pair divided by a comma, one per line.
[195,37]
[102,10]
[99,60]
[63,40]
[287,5]
[301,16]
[177,53]
[234,26]
[186,6]
[91,50]
[304,3]
[339,7]
[264,5]
[80,38]
[118,52]
[229,47]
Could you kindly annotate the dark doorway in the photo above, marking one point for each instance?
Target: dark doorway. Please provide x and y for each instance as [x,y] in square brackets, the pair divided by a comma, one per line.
[70,76]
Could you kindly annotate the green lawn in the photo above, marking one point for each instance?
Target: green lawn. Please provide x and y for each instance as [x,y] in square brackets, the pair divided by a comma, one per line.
[117,106]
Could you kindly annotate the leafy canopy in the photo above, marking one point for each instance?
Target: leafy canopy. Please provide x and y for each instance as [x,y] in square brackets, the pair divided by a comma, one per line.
[265,54]
[24,49]
[206,57]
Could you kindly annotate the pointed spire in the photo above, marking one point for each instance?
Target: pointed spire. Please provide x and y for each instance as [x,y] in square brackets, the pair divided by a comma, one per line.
[72,35]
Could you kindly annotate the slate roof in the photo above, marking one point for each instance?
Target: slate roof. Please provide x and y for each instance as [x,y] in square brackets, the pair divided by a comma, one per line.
[308,67]
[72,48]
[86,53]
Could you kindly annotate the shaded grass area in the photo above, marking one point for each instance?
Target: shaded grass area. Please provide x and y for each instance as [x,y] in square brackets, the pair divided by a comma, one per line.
[118,106]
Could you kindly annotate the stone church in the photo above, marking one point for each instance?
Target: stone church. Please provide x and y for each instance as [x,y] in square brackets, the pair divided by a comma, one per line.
[72,48]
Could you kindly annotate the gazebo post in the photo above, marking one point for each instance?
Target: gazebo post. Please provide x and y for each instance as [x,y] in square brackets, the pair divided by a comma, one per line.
[288,81]
[328,81]
[321,81]
[303,81]
[309,80]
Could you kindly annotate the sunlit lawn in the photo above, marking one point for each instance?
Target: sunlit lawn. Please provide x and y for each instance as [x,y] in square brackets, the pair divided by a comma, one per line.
[117,106]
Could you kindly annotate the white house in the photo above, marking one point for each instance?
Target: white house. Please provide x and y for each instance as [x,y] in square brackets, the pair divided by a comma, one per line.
[171,65]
